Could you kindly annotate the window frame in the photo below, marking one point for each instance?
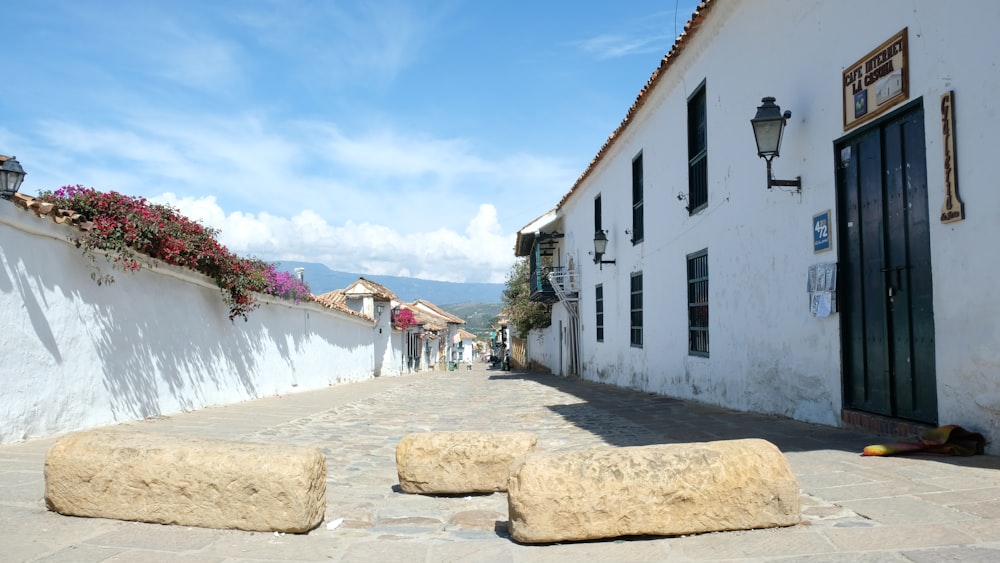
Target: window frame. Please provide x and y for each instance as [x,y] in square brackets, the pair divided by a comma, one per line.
[698,298]
[599,311]
[635,310]
[598,209]
[697,133]
[638,197]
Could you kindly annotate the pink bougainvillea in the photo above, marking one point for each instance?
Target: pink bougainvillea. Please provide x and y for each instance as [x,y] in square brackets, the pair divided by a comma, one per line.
[403,319]
[131,231]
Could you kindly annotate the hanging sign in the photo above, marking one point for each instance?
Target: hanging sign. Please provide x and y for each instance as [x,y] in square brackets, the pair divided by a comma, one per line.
[876,82]
[952,209]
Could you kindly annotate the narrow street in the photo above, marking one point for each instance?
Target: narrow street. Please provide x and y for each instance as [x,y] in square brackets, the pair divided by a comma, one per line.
[918,508]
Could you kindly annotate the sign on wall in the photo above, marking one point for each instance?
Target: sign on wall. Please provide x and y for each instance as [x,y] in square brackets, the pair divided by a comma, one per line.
[821,232]
[952,208]
[876,82]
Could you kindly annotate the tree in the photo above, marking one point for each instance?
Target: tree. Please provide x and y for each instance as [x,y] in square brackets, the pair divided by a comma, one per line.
[524,314]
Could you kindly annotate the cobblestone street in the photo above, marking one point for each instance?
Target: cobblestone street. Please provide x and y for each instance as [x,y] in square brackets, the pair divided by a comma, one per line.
[854,508]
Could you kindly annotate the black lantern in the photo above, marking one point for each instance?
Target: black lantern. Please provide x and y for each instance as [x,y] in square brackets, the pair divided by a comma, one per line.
[600,247]
[768,126]
[11,176]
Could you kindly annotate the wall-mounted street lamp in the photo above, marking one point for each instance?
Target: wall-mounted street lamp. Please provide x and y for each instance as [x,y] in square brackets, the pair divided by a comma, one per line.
[768,125]
[11,176]
[378,309]
[600,247]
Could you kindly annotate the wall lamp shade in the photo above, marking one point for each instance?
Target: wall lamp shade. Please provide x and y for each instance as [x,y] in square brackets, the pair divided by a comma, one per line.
[768,125]
[600,247]
[768,128]
[11,176]
[600,243]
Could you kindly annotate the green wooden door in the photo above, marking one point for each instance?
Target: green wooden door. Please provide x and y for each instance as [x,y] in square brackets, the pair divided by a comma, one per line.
[885,297]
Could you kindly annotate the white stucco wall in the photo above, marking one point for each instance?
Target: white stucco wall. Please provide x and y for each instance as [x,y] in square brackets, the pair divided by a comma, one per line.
[545,347]
[156,342]
[467,350]
[768,353]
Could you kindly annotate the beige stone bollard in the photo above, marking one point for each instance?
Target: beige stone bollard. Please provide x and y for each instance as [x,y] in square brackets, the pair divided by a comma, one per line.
[186,481]
[459,462]
[663,490]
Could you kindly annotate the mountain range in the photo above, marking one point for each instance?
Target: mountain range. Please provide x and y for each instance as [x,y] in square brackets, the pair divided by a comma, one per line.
[322,279]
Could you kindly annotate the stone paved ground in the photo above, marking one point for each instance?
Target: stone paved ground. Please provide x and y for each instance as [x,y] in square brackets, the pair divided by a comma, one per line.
[854,508]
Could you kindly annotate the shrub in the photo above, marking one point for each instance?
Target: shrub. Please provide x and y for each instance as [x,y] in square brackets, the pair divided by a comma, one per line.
[131,231]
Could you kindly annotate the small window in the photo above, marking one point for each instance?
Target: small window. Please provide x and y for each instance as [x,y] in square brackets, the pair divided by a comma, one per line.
[697,151]
[597,214]
[637,222]
[636,310]
[697,276]
[599,307]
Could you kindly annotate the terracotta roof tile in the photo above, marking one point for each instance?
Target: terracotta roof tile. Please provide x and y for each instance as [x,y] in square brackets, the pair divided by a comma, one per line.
[439,311]
[46,209]
[690,29]
[378,291]
[429,322]
[337,300]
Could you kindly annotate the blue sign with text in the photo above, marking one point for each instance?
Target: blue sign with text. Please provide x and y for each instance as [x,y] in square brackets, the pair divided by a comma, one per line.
[821,231]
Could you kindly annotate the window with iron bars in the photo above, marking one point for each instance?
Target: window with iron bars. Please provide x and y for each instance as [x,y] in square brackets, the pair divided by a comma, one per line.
[635,305]
[599,307]
[697,276]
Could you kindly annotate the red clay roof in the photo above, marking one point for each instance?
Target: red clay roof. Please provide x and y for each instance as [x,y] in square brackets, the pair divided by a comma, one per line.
[378,291]
[438,310]
[424,319]
[336,300]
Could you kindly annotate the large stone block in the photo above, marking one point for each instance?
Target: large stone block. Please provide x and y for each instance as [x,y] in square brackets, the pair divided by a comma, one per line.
[667,490]
[186,481]
[459,462]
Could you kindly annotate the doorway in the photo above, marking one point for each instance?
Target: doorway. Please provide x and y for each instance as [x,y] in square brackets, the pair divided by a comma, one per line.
[885,297]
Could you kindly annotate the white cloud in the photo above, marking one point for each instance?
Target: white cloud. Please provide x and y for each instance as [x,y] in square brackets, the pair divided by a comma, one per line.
[482,254]
[366,43]
[376,201]
[615,46]
[196,59]
[256,164]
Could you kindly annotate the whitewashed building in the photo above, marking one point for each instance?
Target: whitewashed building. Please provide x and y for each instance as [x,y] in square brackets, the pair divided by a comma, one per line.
[449,344]
[855,285]
[465,341]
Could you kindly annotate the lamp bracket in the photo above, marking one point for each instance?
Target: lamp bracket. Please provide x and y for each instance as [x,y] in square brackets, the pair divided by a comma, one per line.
[772,181]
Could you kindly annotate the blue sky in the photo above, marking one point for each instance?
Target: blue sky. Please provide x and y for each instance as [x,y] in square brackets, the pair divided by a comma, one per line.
[409,137]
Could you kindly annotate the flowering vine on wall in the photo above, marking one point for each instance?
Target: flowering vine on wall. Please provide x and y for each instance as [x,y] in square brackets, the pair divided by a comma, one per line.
[403,319]
[132,231]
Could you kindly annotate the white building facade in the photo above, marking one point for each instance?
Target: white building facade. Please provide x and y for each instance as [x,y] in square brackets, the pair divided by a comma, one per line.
[861,296]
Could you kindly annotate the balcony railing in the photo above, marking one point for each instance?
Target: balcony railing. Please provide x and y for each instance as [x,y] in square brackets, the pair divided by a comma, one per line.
[541,288]
[564,284]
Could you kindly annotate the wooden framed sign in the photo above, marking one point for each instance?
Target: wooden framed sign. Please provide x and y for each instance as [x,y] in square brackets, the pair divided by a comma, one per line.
[952,209]
[876,82]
